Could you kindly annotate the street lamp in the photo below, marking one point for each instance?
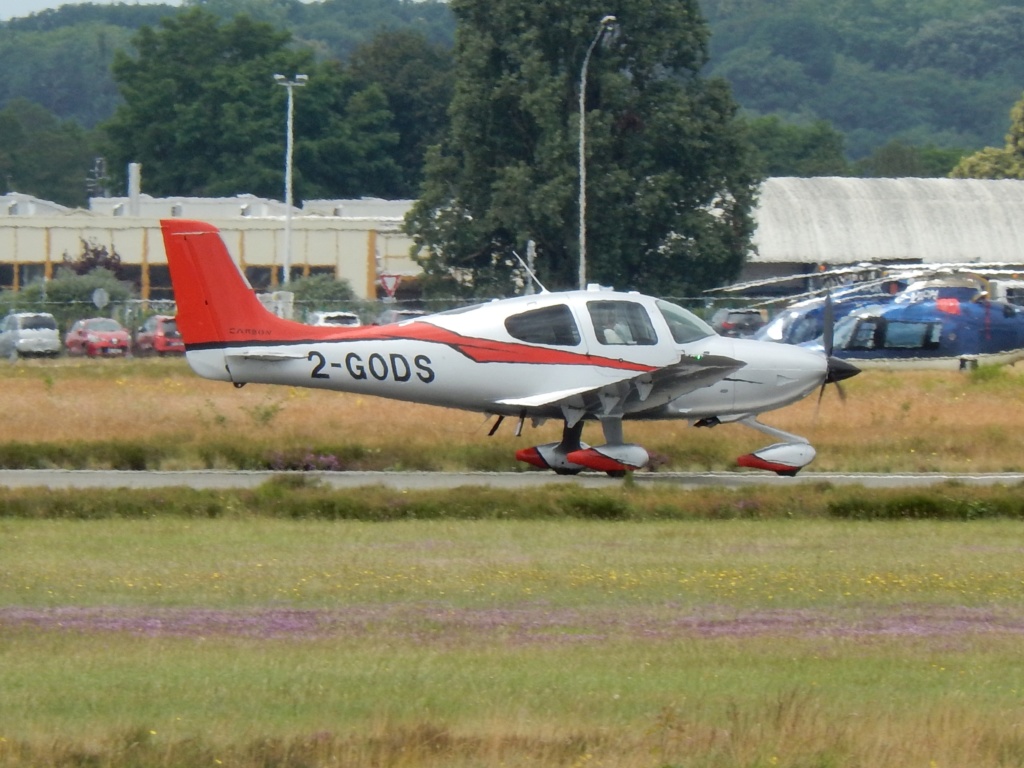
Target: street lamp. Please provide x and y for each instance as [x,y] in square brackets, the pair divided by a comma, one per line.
[298,82]
[605,24]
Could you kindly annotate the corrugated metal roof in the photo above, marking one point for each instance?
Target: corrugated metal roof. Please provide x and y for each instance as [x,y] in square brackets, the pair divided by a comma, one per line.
[838,220]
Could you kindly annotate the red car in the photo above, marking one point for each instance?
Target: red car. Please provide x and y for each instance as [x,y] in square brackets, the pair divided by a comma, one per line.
[97,337]
[159,335]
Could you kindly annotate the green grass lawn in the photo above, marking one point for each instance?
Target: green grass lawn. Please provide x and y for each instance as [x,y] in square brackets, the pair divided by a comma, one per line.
[174,641]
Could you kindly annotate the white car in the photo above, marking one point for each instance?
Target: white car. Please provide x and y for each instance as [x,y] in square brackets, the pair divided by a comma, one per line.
[29,333]
[389,316]
[341,319]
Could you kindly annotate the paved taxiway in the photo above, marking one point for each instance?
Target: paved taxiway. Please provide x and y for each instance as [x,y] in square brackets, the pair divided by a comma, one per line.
[221,479]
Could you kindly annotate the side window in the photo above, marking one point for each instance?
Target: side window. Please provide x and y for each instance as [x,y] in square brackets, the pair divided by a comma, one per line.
[868,335]
[912,335]
[553,326]
[621,322]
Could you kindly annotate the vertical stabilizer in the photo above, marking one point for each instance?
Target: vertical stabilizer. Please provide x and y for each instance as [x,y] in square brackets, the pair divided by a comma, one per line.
[217,308]
[216,305]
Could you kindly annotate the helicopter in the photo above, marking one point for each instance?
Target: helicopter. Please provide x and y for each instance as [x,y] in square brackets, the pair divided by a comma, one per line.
[908,316]
[804,320]
[943,322]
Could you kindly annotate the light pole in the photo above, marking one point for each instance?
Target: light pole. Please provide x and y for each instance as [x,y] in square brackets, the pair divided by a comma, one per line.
[298,82]
[605,24]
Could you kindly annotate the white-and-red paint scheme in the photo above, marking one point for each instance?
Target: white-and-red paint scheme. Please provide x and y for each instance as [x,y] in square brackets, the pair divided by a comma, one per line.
[594,355]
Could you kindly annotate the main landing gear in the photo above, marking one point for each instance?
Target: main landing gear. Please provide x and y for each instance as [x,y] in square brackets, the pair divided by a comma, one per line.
[570,456]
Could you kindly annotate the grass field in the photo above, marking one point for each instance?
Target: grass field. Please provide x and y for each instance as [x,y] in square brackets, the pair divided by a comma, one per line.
[242,639]
[436,643]
[157,414]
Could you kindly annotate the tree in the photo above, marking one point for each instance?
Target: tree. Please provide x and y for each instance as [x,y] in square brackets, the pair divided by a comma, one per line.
[979,47]
[321,291]
[68,296]
[197,111]
[784,149]
[203,115]
[415,76]
[350,139]
[670,185]
[899,159]
[43,156]
[95,256]
[993,163]
[65,70]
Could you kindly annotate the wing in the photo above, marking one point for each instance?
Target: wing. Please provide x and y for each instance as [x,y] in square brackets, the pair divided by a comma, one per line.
[633,392]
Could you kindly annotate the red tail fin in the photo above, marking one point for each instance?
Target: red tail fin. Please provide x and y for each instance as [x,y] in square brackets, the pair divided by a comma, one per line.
[215,303]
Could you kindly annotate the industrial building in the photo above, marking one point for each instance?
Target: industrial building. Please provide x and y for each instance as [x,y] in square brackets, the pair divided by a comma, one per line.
[356,240]
[802,224]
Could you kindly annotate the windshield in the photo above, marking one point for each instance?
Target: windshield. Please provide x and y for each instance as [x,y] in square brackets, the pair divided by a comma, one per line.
[104,325]
[683,324]
[843,331]
[38,323]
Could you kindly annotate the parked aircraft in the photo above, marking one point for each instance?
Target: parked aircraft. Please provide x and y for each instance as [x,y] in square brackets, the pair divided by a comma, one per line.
[913,316]
[804,320]
[578,356]
[947,322]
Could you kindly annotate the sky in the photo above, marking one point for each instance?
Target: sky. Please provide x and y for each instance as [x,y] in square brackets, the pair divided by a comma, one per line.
[10,9]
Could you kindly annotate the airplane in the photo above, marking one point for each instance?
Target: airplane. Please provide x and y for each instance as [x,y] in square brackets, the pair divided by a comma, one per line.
[578,356]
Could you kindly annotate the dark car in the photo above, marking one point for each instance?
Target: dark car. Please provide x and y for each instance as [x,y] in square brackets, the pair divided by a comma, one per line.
[741,323]
[159,335]
[97,337]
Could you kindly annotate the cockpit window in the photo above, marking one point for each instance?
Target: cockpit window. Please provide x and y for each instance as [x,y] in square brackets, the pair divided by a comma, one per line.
[621,322]
[553,326]
[684,325]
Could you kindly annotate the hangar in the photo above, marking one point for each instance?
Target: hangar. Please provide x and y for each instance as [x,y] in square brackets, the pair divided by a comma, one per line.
[805,223]
[802,224]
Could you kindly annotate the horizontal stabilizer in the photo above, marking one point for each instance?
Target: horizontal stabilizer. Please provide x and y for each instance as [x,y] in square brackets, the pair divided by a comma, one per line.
[264,356]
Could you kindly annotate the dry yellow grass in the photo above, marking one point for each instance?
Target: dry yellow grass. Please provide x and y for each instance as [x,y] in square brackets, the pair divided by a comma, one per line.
[905,421]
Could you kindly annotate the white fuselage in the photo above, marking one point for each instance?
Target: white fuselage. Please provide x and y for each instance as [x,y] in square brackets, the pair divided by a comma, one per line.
[459,375]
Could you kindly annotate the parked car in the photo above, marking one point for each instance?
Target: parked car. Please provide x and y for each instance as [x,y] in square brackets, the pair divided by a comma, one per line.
[389,316]
[29,333]
[741,323]
[159,335]
[97,337]
[341,319]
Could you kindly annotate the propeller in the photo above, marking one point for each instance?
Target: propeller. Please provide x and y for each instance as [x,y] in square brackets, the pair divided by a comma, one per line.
[836,369]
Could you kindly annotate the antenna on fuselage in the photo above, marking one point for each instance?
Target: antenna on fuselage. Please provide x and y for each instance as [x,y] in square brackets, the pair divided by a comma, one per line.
[529,253]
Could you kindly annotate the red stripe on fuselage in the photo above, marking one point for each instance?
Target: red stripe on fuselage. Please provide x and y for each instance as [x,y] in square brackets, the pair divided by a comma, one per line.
[491,351]
[476,349]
